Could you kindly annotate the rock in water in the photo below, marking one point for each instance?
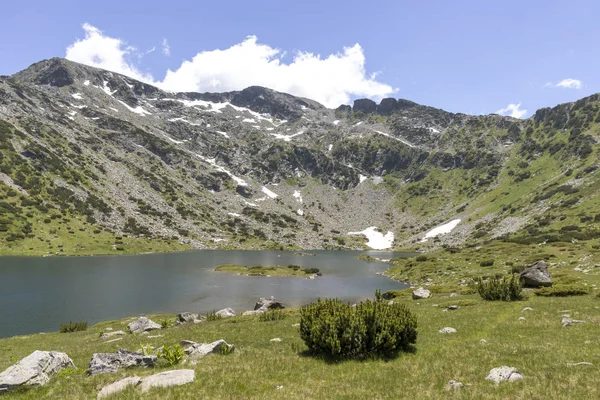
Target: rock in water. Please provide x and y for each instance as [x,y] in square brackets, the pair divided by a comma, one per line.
[187,317]
[504,374]
[536,275]
[119,386]
[143,324]
[102,363]
[226,313]
[34,370]
[199,350]
[421,293]
[268,303]
[169,378]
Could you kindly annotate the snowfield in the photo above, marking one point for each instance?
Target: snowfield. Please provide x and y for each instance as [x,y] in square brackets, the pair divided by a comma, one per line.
[268,192]
[376,240]
[441,230]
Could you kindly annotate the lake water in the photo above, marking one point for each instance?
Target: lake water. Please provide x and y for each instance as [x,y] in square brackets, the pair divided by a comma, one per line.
[37,294]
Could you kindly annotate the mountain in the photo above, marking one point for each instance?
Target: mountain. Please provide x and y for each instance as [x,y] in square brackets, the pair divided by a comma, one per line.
[95,162]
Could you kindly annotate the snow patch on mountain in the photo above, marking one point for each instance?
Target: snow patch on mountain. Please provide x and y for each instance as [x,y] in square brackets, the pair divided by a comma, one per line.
[138,110]
[212,162]
[376,239]
[268,192]
[441,230]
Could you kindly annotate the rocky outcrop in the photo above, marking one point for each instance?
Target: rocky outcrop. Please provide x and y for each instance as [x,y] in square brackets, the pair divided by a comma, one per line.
[268,303]
[504,374]
[102,363]
[34,370]
[200,350]
[536,275]
[143,324]
[226,313]
[387,106]
[177,377]
[366,106]
[186,317]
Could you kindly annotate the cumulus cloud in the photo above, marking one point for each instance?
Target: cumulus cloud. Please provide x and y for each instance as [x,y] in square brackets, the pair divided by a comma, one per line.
[101,51]
[166,49]
[568,83]
[330,80]
[513,110]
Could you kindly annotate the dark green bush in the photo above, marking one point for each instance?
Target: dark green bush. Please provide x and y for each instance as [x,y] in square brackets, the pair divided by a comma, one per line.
[73,326]
[311,270]
[421,258]
[486,263]
[371,328]
[505,289]
[271,315]
[562,291]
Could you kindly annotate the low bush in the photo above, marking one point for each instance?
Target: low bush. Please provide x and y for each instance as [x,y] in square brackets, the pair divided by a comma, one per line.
[504,289]
[271,315]
[311,270]
[73,327]
[421,258]
[486,263]
[371,328]
[562,291]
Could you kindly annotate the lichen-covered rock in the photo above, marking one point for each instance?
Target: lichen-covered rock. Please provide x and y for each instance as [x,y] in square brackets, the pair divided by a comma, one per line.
[169,378]
[504,374]
[447,330]
[34,370]
[143,324]
[119,386]
[421,293]
[199,350]
[187,317]
[226,313]
[102,363]
[107,335]
[268,303]
[536,275]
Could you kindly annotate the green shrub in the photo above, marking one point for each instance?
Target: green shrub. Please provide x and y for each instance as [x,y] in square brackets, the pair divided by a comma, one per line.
[505,289]
[562,291]
[371,328]
[271,315]
[213,316]
[165,323]
[421,258]
[311,270]
[171,355]
[73,326]
[486,263]
[225,349]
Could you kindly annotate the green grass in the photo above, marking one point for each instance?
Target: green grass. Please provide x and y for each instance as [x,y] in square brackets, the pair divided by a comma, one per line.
[538,346]
[278,270]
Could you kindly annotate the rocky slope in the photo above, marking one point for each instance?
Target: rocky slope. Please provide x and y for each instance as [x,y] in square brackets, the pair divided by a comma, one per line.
[93,161]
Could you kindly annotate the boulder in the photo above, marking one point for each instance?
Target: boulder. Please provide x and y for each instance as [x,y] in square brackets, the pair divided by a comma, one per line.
[504,374]
[34,370]
[169,378]
[244,191]
[102,363]
[447,330]
[536,275]
[119,386]
[187,317]
[387,106]
[366,106]
[143,324]
[453,385]
[199,350]
[421,293]
[566,320]
[268,303]
[226,313]
[107,335]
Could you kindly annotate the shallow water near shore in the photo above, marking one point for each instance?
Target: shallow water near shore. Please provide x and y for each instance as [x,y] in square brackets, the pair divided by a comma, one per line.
[37,294]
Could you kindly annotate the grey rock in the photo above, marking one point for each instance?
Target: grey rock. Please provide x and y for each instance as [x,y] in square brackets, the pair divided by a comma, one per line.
[200,350]
[176,377]
[187,317]
[364,105]
[102,363]
[504,374]
[118,386]
[421,293]
[226,313]
[255,312]
[527,309]
[453,295]
[536,275]
[276,340]
[447,330]
[34,370]
[107,335]
[453,385]
[579,363]
[453,307]
[143,324]
[566,320]
[269,303]
[114,340]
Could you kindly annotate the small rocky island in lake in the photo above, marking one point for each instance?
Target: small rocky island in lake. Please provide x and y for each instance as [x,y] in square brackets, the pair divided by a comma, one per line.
[269,271]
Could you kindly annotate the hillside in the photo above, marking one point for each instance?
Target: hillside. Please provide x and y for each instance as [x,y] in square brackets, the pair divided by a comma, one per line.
[95,162]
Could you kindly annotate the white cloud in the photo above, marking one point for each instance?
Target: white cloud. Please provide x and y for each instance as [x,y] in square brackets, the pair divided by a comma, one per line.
[105,52]
[152,50]
[513,110]
[166,49]
[568,83]
[331,80]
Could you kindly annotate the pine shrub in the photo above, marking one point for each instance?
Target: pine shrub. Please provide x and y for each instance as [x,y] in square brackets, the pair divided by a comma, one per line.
[371,328]
[271,315]
[505,289]
[562,291]
[73,326]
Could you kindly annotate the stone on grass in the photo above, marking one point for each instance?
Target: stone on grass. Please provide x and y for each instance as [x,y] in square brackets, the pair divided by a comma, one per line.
[521,318]
[579,363]
[447,330]
[527,309]
[453,385]
[199,350]
[34,370]
[254,312]
[176,377]
[536,275]
[268,303]
[296,325]
[114,340]
[187,317]
[421,293]
[107,335]
[119,386]
[504,374]
[453,295]
[102,363]
[226,313]
[143,324]
[453,307]
[568,321]
[276,340]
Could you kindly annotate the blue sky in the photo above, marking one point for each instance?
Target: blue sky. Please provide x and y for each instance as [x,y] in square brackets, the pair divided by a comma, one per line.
[463,56]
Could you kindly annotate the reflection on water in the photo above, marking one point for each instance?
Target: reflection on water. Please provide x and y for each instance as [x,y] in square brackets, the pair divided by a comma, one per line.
[37,294]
